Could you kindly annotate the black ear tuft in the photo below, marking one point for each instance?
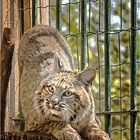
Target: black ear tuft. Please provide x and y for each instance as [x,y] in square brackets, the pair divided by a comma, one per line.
[87,76]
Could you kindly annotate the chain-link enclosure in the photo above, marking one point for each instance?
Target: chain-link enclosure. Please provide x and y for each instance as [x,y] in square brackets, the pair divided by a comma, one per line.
[104,34]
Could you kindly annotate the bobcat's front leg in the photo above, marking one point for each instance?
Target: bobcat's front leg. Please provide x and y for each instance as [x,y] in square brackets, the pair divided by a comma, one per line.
[66,133]
[95,133]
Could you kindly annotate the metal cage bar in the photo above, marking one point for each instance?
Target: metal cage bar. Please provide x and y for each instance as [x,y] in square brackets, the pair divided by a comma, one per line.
[58,13]
[133,69]
[83,34]
[21,12]
[107,65]
[34,12]
[120,86]
[63,11]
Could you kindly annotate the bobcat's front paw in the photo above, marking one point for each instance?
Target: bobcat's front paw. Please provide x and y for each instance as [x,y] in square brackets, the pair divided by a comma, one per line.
[68,136]
[66,133]
[97,134]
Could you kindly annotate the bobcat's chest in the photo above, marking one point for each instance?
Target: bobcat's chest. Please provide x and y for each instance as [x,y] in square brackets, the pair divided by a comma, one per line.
[82,124]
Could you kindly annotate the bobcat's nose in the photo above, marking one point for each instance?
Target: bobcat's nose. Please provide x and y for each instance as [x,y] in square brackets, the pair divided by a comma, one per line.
[54,102]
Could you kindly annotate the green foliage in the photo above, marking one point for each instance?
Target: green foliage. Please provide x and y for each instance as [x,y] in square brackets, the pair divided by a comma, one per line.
[120,28]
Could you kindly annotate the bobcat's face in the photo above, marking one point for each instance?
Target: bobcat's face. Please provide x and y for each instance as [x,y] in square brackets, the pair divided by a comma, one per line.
[62,97]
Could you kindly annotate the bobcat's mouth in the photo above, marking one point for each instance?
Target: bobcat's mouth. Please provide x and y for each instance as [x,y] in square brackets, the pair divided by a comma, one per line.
[55,112]
[55,115]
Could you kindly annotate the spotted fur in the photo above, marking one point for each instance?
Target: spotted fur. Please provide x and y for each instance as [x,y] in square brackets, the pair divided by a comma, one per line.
[67,105]
[54,99]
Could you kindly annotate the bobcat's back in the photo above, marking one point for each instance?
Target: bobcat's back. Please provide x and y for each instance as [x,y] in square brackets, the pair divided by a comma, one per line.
[42,42]
[42,50]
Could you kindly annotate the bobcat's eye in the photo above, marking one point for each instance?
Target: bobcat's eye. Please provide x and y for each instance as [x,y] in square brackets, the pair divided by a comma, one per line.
[49,88]
[67,93]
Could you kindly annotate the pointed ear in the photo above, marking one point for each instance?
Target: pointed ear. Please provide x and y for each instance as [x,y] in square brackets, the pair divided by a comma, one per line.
[87,76]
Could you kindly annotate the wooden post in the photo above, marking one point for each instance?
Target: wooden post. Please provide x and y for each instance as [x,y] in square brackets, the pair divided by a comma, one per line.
[1,16]
[44,12]
[6,50]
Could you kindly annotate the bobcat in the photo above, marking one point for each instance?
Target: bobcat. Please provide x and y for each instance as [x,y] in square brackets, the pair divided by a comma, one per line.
[54,99]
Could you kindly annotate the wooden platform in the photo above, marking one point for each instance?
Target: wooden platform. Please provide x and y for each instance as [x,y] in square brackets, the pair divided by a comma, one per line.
[25,136]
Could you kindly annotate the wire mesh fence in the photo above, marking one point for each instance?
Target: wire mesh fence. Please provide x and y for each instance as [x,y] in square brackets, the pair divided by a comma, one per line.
[104,34]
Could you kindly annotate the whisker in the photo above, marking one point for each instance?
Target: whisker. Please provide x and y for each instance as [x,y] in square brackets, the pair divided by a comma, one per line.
[71,110]
[66,115]
[77,115]
[63,116]
[41,109]
[36,107]
[70,114]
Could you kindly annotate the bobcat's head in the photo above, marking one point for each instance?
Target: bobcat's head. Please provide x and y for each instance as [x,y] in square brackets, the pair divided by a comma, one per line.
[64,96]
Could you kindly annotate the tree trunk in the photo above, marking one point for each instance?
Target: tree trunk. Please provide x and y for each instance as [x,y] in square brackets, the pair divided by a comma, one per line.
[7,48]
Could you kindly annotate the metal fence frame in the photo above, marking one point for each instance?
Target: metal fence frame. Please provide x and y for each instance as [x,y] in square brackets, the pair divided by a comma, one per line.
[108,113]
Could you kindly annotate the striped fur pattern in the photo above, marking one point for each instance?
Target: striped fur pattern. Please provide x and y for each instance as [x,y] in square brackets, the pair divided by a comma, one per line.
[68,107]
[53,98]
[61,97]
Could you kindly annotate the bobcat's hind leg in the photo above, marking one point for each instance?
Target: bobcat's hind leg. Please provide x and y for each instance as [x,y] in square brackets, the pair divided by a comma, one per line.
[66,133]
